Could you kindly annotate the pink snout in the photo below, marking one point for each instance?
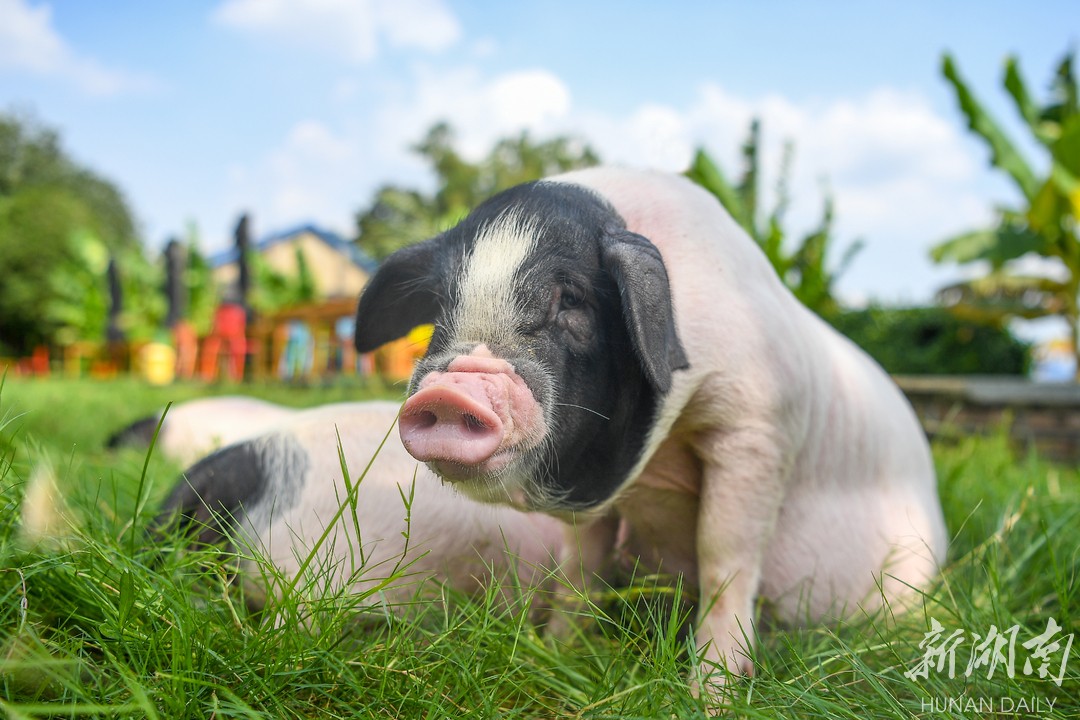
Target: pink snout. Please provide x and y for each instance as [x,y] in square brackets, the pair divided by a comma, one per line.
[469,421]
[441,422]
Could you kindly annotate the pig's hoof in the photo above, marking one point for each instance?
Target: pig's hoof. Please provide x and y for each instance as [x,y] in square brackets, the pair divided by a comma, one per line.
[716,684]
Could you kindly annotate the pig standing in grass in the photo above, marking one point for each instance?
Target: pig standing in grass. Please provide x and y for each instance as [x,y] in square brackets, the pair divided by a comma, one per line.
[610,345]
[274,495]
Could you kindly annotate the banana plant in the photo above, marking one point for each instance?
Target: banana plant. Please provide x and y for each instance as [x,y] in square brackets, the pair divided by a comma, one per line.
[804,270]
[1042,224]
[202,294]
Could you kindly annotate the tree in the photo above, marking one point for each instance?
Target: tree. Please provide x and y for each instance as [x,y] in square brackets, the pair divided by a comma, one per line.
[57,219]
[401,216]
[804,270]
[1042,224]
[31,157]
[38,249]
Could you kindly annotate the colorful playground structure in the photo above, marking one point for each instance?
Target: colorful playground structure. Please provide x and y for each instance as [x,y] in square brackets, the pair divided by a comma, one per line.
[298,344]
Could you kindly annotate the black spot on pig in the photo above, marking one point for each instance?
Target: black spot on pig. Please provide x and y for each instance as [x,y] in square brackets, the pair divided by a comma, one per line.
[138,434]
[245,482]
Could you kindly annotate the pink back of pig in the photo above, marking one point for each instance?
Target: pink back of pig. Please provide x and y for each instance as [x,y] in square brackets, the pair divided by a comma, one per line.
[198,427]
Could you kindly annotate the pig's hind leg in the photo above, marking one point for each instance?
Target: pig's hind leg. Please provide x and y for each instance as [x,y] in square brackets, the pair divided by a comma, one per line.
[842,551]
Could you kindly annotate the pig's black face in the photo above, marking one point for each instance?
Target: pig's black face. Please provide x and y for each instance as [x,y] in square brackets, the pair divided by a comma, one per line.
[554,343]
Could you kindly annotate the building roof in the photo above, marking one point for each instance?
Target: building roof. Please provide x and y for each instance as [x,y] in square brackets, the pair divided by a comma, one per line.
[355,255]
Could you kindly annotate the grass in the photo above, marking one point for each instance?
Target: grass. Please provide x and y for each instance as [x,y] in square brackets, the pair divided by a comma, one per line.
[113,626]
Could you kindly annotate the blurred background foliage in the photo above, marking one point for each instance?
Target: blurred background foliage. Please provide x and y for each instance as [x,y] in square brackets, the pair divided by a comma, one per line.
[932,341]
[202,296]
[273,290]
[59,224]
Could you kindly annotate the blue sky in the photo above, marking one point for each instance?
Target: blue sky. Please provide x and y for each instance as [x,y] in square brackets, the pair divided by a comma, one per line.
[296,110]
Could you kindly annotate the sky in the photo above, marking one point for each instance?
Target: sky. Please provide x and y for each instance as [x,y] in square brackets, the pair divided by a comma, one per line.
[297,110]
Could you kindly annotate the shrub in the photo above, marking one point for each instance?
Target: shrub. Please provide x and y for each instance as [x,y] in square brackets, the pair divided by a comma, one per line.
[932,341]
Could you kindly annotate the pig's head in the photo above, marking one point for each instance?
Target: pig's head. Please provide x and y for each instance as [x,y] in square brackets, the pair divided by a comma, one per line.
[554,345]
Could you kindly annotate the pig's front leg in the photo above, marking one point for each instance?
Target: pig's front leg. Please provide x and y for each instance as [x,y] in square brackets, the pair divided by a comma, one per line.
[741,493]
[583,562]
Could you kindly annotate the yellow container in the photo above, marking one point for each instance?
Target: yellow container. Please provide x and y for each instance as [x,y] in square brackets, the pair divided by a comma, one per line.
[157,362]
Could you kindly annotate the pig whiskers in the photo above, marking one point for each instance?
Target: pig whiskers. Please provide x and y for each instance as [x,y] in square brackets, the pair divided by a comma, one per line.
[582,407]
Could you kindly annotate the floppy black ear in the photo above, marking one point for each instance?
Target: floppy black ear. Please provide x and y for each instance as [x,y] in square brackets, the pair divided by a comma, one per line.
[403,293]
[638,270]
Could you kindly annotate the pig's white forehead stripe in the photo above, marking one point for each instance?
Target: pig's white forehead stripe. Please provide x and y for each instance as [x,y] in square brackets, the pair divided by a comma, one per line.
[488,309]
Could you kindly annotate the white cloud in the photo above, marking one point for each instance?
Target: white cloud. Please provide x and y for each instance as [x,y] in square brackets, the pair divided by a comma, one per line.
[485,47]
[324,173]
[423,24]
[529,99]
[27,39]
[885,155]
[311,176]
[30,43]
[309,173]
[653,136]
[481,110]
[349,29]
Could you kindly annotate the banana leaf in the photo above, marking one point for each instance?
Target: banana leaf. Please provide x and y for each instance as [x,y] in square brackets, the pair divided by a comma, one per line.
[994,245]
[747,189]
[1045,216]
[774,245]
[1065,103]
[998,296]
[1066,151]
[1003,154]
[1046,132]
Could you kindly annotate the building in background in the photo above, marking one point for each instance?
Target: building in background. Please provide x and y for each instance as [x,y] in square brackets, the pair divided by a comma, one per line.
[338,267]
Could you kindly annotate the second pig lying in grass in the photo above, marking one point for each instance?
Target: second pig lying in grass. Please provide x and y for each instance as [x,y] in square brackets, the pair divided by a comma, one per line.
[282,496]
[194,428]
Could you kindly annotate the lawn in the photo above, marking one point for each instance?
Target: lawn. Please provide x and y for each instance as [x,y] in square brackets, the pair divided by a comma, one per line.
[114,625]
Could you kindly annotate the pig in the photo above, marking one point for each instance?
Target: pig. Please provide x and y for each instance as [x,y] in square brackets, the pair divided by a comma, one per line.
[610,347]
[273,495]
[194,428]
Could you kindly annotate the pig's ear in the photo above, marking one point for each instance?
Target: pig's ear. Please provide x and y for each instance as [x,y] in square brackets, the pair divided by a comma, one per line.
[638,270]
[402,294]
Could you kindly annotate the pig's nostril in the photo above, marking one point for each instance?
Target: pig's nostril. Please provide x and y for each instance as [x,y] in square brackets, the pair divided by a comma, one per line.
[445,424]
[474,424]
[423,420]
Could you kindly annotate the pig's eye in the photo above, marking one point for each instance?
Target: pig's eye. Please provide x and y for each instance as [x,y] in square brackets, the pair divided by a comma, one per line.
[571,298]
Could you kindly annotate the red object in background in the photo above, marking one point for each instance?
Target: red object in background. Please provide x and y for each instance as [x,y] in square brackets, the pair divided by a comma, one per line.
[230,321]
[186,342]
[39,362]
[35,365]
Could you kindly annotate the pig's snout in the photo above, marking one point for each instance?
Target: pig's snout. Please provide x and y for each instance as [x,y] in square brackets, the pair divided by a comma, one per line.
[472,419]
[444,423]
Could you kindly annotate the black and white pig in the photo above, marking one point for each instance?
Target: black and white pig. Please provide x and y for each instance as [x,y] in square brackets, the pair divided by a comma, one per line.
[194,428]
[273,496]
[610,344]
